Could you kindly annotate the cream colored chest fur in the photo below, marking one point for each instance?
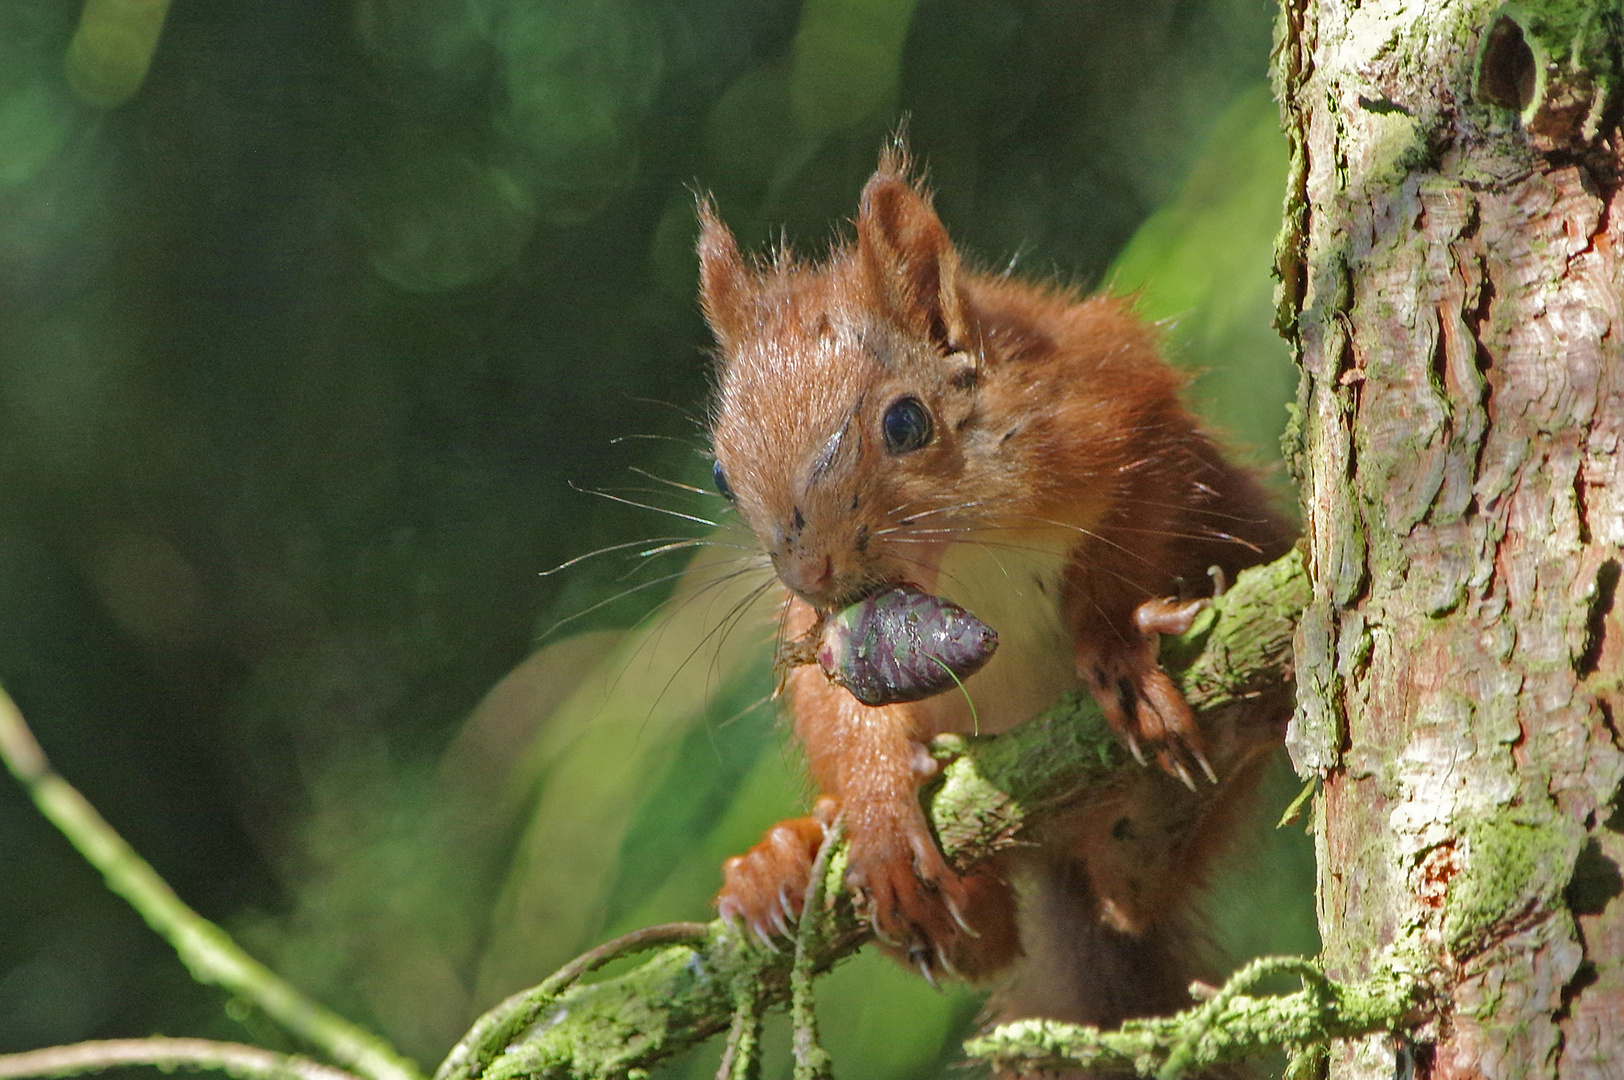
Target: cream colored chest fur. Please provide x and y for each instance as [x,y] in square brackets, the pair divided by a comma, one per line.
[1012,583]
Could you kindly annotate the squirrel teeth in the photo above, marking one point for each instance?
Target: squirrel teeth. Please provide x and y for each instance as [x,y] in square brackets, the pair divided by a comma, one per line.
[902,644]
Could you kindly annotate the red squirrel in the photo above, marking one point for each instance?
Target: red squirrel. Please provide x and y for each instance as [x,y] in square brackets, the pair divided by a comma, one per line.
[889,415]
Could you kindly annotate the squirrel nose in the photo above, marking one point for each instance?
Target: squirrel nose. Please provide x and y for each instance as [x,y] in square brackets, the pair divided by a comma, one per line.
[810,575]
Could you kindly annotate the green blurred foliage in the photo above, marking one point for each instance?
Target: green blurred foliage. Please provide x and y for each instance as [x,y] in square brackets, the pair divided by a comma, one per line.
[312,353]
[1194,265]
[108,58]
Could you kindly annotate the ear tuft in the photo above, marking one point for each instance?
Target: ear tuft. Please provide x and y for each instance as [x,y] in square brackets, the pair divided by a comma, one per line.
[895,160]
[907,258]
[725,282]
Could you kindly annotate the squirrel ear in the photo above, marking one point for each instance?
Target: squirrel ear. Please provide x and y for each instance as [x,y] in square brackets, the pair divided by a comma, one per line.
[724,280]
[907,258]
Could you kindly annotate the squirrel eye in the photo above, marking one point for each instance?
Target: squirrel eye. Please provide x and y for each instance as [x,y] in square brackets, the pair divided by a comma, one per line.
[719,478]
[906,425]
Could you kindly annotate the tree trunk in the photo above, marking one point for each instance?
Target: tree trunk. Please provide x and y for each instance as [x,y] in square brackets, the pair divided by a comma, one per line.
[1453,278]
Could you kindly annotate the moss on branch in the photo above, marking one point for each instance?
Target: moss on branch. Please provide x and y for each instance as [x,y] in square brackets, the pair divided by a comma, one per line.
[1230,1026]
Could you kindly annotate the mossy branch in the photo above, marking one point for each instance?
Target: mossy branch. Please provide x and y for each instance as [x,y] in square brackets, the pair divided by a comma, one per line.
[1230,1026]
[992,790]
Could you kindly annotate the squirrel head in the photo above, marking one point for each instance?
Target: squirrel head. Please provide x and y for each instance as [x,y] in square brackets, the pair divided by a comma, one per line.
[845,415]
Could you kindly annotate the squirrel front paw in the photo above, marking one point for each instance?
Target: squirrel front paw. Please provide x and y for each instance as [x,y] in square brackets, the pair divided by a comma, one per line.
[763,889]
[1139,699]
[918,907]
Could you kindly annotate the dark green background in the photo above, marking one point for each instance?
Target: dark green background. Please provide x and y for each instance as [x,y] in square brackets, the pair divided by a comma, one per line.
[308,349]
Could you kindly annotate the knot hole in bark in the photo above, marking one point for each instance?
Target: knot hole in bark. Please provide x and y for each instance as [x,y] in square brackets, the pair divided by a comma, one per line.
[1507,72]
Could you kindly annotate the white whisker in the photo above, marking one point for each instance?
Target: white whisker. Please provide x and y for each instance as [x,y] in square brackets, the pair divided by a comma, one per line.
[551,630]
[566,564]
[645,506]
[681,545]
[675,483]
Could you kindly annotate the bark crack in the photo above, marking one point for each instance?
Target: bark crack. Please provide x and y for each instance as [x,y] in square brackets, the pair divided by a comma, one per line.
[1603,595]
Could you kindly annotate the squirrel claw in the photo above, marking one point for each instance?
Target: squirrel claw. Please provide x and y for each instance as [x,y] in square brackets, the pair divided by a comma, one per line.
[883,936]
[1133,747]
[781,923]
[1140,702]
[917,906]
[920,959]
[915,902]
[762,889]
[1183,773]
[958,916]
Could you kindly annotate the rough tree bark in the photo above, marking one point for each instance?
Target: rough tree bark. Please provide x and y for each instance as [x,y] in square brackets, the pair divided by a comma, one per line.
[1452,272]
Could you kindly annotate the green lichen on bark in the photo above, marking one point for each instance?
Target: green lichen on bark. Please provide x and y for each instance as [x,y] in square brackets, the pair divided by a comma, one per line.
[1514,863]
[1286,75]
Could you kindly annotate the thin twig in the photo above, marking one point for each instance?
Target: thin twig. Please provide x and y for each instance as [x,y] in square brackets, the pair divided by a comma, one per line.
[207,951]
[247,1062]
[741,1056]
[649,937]
[811,1059]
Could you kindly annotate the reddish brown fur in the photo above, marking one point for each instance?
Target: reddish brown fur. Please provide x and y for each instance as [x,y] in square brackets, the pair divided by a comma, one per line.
[1060,448]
